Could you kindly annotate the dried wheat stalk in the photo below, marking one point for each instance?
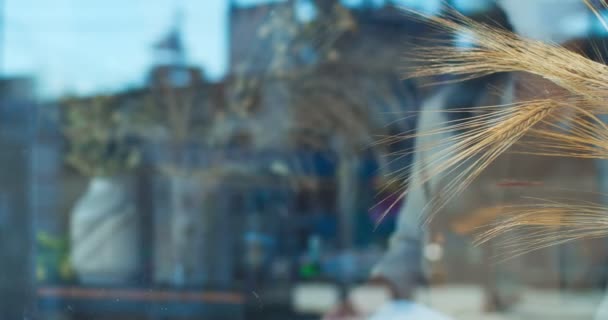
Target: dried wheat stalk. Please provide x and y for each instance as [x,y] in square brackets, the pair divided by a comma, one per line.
[499,50]
[466,153]
[564,124]
[546,223]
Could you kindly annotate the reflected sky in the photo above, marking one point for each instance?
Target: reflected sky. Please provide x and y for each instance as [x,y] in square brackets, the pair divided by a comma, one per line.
[75,46]
[98,45]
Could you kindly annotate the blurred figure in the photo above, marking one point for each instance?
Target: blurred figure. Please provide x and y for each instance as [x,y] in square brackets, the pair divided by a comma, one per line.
[574,25]
[399,267]
[402,268]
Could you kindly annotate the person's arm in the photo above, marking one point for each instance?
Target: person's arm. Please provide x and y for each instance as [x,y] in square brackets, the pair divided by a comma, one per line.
[403,264]
[401,268]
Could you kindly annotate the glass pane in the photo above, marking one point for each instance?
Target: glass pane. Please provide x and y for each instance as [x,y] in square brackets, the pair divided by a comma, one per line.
[303,159]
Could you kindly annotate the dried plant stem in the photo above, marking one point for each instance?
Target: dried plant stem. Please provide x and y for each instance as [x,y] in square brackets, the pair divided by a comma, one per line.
[502,51]
[560,125]
[461,155]
[545,224]
[583,136]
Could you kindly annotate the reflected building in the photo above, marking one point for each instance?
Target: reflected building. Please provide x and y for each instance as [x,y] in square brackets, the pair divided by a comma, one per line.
[18,155]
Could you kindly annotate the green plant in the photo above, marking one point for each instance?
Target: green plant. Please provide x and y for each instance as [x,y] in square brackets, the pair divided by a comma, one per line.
[53,258]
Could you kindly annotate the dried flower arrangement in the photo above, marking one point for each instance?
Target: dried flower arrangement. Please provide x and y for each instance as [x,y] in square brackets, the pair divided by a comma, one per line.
[100,142]
[564,123]
[106,133]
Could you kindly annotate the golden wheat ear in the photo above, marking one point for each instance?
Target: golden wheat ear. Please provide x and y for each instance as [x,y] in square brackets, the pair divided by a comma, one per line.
[580,135]
[457,152]
[560,122]
[497,50]
[544,224]
[464,154]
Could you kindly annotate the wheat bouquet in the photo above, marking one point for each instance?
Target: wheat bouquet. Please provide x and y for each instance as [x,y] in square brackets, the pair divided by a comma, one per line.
[565,123]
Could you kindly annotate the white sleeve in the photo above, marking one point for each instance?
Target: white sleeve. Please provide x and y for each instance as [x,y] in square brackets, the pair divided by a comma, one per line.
[402,264]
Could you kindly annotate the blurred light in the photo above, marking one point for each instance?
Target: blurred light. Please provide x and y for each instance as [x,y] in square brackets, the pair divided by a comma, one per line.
[429,7]
[305,10]
[542,19]
[583,24]
[433,252]
[471,6]
[369,299]
[465,39]
[314,297]
[352,3]
[378,3]
[598,28]
[254,2]
[279,168]
[576,25]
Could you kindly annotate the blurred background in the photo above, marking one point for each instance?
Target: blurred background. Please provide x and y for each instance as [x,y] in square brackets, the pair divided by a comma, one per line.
[223,159]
